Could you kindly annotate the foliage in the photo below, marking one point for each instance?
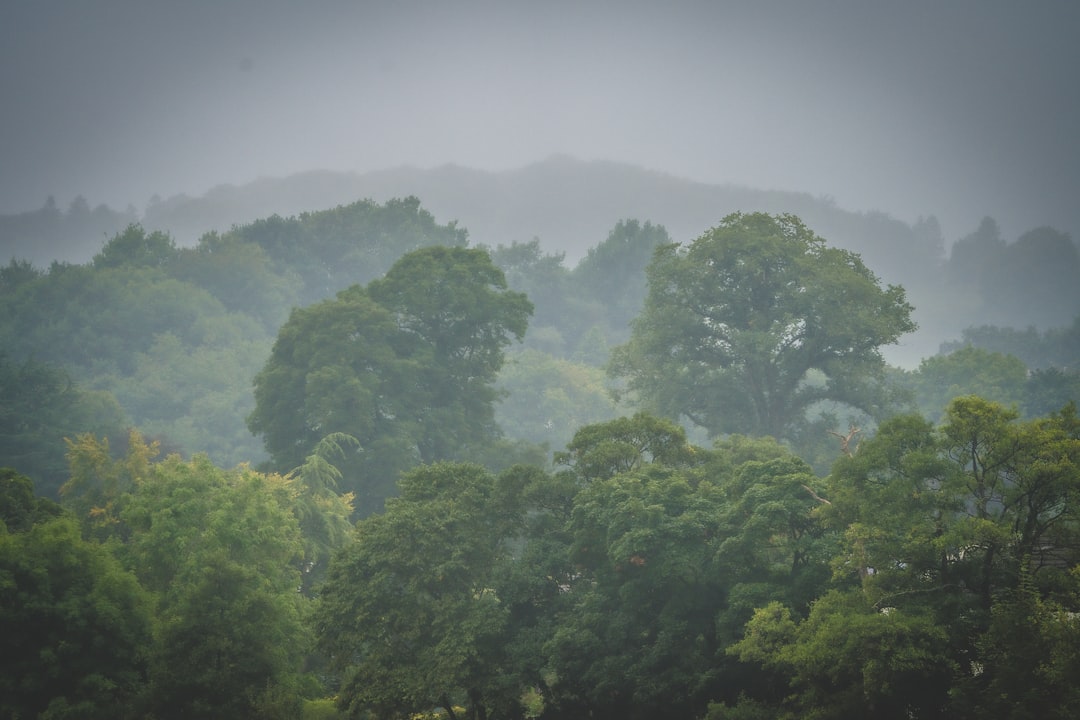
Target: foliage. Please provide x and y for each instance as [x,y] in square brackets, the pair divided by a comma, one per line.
[545,399]
[222,553]
[406,367]
[1028,282]
[75,628]
[603,450]
[332,249]
[546,282]
[40,406]
[668,565]
[848,659]
[931,574]
[965,371]
[220,550]
[1054,347]
[177,334]
[734,323]
[20,508]
[612,273]
[408,612]
[134,247]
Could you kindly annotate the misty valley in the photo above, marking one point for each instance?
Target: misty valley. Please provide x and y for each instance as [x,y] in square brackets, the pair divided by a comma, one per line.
[723,455]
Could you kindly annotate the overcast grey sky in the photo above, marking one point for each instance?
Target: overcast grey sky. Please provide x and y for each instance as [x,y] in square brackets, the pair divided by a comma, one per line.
[956,109]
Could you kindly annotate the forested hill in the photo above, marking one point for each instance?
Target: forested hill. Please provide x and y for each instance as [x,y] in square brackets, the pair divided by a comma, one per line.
[570,205]
[567,203]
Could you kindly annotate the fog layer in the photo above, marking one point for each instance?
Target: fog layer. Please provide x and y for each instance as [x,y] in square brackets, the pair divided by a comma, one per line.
[958,110]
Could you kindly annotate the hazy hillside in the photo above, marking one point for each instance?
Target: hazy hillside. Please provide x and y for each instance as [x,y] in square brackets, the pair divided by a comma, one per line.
[570,205]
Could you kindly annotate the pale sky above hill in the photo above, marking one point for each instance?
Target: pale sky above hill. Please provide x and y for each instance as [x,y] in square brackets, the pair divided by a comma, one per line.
[956,109]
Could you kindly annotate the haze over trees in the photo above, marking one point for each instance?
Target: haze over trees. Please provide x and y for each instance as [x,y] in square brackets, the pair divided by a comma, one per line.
[446,512]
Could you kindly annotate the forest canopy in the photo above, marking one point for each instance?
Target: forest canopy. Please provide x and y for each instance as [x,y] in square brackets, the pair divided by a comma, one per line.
[449,509]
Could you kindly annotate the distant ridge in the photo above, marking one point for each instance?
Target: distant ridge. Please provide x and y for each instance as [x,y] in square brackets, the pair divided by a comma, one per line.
[569,204]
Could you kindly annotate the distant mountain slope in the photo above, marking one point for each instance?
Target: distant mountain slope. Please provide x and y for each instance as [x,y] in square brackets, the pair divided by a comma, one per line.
[569,204]
[49,233]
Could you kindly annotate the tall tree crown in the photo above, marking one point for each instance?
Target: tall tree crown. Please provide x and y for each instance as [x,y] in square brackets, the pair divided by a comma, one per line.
[736,323]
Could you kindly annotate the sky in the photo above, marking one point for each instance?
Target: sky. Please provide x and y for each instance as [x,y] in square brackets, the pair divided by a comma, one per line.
[925,107]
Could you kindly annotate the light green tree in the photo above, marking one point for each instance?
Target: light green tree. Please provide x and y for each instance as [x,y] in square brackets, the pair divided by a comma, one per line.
[221,551]
[848,659]
[966,371]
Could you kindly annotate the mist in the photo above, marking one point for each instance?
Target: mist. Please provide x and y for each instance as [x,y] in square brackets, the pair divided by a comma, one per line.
[955,110]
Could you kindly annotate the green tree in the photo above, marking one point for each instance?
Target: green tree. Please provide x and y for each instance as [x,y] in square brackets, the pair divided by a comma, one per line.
[333,368]
[966,371]
[603,450]
[406,367]
[196,395]
[409,613]
[455,301]
[545,280]
[735,323]
[658,553]
[20,508]
[971,526]
[134,247]
[848,659]
[75,628]
[638,636]
[1047,391]
[771,546]
[241,275]
[1022,487]
[545,399]
[323,512]
[221,551]
[612,273]
[331,249]
[1026,659]
[40,406]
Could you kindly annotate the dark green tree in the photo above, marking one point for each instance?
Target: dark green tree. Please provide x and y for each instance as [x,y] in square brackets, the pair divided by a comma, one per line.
[612,273]
[407,367]
[75,628]
[455,303]
[410,615]
[330,250]
[736,324]
[40,406]
[134,247]
[638,637]
[673,548]
[20,508]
